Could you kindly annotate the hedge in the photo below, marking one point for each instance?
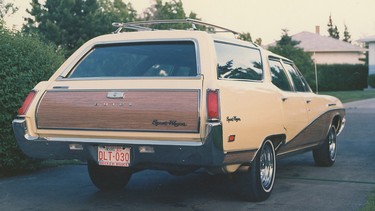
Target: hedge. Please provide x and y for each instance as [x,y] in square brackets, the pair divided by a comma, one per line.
[24,61]
[342,77]
[371,80]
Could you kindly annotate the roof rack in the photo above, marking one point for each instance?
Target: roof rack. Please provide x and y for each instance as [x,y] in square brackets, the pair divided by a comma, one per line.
[144,25]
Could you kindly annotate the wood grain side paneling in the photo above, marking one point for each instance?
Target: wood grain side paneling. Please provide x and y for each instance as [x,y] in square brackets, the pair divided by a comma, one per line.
[137,111]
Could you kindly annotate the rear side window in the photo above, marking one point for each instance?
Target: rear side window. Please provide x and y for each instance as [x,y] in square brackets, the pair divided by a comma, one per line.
[238,62]
[279,76]
[299,82]
[146,59]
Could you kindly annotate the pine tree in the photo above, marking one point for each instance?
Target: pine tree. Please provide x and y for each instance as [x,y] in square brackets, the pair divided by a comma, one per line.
[333,30]
[347,35]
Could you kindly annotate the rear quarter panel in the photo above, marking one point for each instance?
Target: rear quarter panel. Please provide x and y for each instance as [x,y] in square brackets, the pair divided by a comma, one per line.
[257,108]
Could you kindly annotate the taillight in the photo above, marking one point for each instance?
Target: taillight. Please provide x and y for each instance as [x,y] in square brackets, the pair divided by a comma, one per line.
[26,103]
[213,112]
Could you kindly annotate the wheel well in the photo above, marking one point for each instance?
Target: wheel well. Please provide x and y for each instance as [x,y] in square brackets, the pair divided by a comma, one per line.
[277,140]
[337,123]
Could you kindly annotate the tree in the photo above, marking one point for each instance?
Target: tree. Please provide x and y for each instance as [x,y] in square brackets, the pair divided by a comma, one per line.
[258,41]
[347,35]
[287,41]
[287,47]
[70,23]
[5,9]
[333,30]
[167,11]
[245,37]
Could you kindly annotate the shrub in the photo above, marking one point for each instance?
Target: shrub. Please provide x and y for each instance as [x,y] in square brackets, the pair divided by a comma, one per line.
[342,77]
[25,60]
[371,81]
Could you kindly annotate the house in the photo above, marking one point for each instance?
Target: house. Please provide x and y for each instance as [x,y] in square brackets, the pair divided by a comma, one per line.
[371,54]
[327,50]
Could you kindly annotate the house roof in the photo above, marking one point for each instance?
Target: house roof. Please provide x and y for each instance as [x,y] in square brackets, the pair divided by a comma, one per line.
[312,42]
[368,39]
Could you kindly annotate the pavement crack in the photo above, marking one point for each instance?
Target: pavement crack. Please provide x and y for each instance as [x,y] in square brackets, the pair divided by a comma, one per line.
[328,180]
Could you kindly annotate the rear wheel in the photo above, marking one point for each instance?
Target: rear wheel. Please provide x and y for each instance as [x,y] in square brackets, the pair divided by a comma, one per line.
[108,178]
[325,155]
[259,180]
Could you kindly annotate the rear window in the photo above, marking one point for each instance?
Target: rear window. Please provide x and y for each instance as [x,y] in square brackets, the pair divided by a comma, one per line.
[147,59]
[238,62]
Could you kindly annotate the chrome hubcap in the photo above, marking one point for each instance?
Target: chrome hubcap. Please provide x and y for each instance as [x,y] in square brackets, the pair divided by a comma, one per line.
[267,167]
[332,144]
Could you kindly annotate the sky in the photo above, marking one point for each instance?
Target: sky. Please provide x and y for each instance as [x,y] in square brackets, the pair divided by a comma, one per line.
[265,18]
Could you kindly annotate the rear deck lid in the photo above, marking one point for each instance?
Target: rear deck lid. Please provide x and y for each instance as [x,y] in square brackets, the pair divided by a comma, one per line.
[120,110]
[133,86]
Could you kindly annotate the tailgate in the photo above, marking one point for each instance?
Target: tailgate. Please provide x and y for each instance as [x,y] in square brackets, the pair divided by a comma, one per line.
[120,110]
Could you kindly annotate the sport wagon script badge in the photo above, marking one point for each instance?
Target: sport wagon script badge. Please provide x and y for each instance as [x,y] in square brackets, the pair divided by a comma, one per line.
[116,95]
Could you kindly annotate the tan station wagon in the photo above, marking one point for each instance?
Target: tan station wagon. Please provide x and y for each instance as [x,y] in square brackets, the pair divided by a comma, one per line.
[178,100]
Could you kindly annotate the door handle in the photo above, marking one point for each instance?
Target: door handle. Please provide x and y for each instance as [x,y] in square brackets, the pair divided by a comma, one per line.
[284,99]
[308,100]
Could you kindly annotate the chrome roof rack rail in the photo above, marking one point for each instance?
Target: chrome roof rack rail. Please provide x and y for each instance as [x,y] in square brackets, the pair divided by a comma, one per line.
[144,25]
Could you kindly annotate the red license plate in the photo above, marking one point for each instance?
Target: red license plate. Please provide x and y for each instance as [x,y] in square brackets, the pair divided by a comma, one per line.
[113,156]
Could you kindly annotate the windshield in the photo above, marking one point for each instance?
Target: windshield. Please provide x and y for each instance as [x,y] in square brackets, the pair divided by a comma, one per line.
[146,59]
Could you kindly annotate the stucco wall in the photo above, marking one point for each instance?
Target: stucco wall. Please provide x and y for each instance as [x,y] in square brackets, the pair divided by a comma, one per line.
[338,58]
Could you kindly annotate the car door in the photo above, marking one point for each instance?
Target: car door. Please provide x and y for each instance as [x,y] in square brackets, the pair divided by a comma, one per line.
[294,104]
[312,133]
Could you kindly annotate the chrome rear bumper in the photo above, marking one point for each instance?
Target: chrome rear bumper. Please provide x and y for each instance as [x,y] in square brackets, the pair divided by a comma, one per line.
[204,154]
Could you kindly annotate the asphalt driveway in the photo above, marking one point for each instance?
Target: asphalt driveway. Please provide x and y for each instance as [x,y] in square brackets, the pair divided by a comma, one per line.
[299,184]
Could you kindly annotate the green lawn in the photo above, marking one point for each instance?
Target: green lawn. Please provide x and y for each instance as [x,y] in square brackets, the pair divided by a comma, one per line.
[348,96]
[370,205]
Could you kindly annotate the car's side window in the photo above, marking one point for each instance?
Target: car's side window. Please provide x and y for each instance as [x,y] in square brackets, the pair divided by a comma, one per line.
[299,83]
[238,62]
[279,77]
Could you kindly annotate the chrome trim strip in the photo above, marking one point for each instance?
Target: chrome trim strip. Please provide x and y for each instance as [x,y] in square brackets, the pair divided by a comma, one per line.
[60,87]
[296,149]
[123,90]
[126,141]
[130,78]
[120,130]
